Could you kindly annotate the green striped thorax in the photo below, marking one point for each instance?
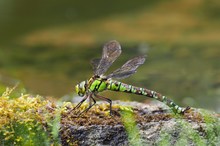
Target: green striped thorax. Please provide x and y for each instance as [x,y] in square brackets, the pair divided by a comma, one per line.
[94,84]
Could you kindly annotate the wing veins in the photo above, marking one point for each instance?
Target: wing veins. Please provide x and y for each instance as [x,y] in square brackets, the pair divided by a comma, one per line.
[111,51]
[128,68]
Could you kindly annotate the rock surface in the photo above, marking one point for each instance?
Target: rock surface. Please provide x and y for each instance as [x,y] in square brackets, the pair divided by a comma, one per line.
[147,124]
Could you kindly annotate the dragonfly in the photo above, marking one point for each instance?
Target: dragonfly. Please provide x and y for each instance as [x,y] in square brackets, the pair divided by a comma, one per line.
[90,88]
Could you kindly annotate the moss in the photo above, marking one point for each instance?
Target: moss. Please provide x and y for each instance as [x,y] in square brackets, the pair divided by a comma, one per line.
[25,119]
[189,134]
[97,115]
[164,139]
[34,120]
[212,129]
[128,119]
[186,135]
[55,127]
[28,133]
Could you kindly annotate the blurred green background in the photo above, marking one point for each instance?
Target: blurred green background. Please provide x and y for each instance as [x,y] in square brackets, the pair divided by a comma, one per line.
[47,45]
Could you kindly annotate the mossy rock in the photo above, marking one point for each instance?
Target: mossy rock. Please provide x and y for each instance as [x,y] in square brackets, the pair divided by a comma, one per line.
[145,124]
[34,120]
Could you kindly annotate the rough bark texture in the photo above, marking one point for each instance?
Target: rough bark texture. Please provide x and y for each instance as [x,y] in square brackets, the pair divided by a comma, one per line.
[156,125]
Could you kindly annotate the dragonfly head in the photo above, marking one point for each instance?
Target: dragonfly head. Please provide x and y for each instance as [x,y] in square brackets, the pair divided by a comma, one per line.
[81,88]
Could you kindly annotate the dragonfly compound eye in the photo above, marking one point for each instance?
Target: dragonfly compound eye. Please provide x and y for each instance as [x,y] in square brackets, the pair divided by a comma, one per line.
[80,88]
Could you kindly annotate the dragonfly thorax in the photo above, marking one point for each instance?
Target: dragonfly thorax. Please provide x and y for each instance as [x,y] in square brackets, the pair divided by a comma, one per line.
[81,88]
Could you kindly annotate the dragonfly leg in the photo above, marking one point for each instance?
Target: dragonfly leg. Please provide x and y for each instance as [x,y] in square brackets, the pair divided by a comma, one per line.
[106,99]
[80,103]
[90,104]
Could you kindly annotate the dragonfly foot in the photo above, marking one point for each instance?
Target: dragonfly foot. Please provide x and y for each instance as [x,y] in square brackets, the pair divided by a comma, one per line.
[186,109]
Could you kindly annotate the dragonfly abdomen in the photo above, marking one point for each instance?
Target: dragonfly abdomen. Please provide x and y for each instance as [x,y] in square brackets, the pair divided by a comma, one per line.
[122,87]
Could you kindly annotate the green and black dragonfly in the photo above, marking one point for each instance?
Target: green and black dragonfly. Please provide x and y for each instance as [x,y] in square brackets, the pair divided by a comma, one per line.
[99,82]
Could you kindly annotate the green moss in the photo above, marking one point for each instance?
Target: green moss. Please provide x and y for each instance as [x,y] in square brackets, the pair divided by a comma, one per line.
[56,127]
[212,127]
[164,139]
[25,134]
[130,124]
[13,92]
[25,120]
[186,135]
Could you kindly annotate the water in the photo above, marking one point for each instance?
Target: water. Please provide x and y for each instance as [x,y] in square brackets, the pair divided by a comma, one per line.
[47,46]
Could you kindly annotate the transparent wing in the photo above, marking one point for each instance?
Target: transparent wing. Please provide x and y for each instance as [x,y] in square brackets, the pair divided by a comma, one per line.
[128,68]
[110,53]
[95,63]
